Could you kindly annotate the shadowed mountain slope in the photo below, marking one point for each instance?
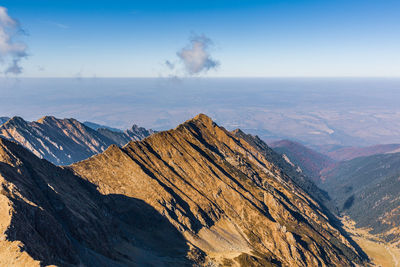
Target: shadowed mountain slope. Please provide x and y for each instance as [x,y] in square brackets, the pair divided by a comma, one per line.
[64,141]
[49,216]
[368,189]
[311,162]
[229,200]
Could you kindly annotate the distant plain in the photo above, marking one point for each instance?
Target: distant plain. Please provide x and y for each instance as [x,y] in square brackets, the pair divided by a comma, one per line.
[320,112]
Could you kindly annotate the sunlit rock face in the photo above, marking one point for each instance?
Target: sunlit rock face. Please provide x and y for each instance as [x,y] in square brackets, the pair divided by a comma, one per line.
[228,198]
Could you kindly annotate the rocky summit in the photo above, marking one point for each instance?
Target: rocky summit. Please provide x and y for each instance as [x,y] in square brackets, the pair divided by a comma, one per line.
[196,195]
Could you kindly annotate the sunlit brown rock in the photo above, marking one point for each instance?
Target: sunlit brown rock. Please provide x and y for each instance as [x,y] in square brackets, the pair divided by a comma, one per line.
[223,195]
[196,195]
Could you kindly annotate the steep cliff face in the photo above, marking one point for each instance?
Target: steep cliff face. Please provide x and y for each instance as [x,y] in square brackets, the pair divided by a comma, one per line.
[48,216]
[232,204]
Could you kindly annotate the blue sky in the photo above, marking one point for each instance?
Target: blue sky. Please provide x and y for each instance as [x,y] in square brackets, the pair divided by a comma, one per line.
[249,38]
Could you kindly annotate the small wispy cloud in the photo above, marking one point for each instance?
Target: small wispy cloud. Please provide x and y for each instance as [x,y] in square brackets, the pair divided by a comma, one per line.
[59,25]
[54,23]
[12,51]
[196,56]
[194,59]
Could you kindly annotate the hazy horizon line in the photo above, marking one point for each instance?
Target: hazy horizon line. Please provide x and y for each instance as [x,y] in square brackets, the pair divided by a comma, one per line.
[212,77]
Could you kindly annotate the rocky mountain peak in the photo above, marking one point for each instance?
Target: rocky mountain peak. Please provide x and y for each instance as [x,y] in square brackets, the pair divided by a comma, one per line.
[238,132]
[15,122]
[202,118]
[229,199]
[46,119]
[67,122]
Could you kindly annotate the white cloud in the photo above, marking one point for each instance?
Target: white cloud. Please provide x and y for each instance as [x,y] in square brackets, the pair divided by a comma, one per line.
[196,56]
[5,18]
[11,50]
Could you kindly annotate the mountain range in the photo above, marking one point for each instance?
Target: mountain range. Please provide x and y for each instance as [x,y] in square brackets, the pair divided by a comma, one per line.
[96,126]
[65,141]
[196,195]
[315,163]
[135,133]
[348,153]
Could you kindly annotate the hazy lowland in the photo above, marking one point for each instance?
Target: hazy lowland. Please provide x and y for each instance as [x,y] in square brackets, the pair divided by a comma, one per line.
[318,112]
